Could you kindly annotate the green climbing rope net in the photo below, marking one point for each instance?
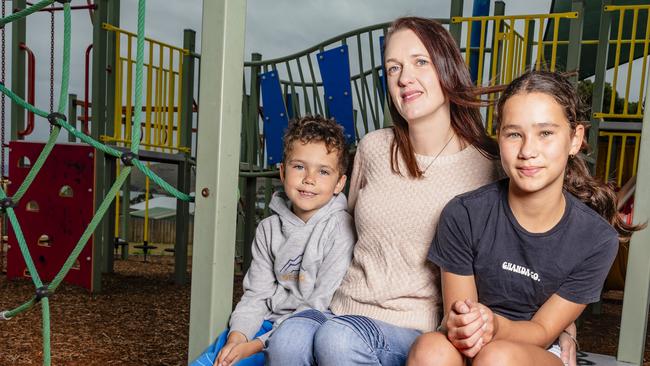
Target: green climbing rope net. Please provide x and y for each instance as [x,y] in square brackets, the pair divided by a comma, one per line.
[58,121]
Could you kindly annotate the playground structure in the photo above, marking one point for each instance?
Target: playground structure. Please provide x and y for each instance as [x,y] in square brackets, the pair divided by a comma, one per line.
[80,177]
[106,113]
[610,36]
[504,48]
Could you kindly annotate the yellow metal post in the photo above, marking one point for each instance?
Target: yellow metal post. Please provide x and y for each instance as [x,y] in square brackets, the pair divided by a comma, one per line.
[117,95]
[612,101]
[635,19]
[130,63]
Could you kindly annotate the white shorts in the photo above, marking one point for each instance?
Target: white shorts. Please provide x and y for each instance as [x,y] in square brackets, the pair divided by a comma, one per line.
[555,349]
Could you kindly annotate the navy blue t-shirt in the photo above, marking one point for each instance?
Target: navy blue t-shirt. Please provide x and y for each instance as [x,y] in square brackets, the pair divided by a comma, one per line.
[516,271]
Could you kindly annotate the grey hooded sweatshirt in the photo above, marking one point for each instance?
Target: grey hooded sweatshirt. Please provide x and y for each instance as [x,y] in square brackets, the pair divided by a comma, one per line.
[296,265]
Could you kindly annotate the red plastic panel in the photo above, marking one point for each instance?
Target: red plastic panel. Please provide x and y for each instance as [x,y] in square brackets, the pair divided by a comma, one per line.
[55,210]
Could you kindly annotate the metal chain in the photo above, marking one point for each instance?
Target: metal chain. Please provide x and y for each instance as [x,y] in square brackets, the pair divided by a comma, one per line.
[51,62]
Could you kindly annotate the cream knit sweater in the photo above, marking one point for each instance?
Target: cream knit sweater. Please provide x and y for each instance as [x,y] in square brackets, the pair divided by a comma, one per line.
[390,278]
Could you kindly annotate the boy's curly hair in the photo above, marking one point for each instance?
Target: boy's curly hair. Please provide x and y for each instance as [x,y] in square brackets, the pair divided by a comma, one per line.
[318,129]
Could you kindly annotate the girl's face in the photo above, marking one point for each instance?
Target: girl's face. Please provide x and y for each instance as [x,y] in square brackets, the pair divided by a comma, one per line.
[412,80]
[535,140]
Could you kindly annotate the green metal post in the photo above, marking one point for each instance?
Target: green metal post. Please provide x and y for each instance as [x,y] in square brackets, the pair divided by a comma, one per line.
[240,245]
[222,55]
[182,224]
[113,19]
[184,167]
[243,147]
[573,64]
[72,114]
[109,221]
[634,320]
[102,247]
[387,121]
[575,38]
[599,82]
[250,184]
[126,216]
[268,192]
[253,115]
[189,43]
[125,195]
[530,40]
[499,9]
[456,10]
[249,220]
[109,218]
[18,36]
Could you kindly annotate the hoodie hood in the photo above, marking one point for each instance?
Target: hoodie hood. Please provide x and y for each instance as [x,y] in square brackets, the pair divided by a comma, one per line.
[281,206]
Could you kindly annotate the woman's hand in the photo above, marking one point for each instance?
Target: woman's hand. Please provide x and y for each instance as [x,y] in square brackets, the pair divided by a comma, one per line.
[467,324]
[237,348]
[568,345]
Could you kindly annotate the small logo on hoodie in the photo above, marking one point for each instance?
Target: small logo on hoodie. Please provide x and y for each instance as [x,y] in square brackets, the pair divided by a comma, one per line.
[291,270]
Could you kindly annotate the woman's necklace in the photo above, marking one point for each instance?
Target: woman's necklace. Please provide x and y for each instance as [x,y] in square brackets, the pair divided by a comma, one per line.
[438,154]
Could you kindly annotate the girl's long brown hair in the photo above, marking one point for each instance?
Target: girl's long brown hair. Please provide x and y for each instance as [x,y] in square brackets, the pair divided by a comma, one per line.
[598,195]
[457,86]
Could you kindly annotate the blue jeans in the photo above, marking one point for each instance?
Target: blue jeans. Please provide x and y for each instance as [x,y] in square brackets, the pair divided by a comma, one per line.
[209,356]
[311,337]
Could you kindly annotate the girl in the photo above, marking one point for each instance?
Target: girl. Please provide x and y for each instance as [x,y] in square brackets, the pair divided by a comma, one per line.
[521,258]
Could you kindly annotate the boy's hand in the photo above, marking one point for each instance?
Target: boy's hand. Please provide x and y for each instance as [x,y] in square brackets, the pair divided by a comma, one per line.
[237,348]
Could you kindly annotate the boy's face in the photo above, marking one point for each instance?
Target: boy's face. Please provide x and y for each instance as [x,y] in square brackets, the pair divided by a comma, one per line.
[311,177]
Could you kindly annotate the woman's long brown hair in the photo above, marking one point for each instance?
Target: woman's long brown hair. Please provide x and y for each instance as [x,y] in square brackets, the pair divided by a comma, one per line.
[457,86]
[598,195]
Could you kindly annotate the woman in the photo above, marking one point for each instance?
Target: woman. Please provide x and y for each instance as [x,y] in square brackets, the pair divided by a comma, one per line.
[402,178]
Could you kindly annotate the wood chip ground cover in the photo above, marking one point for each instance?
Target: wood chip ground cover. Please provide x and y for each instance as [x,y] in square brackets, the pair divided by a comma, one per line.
[142,318]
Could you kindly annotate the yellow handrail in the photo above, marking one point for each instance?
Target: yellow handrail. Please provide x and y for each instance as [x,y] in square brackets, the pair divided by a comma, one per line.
[113,28]
[630,84]
[511,49]
[620,165]
[568,15]
[625,7]
[162,108]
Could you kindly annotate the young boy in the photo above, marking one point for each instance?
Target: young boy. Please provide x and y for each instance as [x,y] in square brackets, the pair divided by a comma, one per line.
[302,251]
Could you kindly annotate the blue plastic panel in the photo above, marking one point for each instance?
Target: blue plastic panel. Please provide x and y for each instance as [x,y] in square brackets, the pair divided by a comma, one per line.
[334,67]
[382,71]
[275,116]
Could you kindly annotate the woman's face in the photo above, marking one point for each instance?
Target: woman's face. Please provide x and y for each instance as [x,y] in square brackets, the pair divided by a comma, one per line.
[535,140]
[412,80]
